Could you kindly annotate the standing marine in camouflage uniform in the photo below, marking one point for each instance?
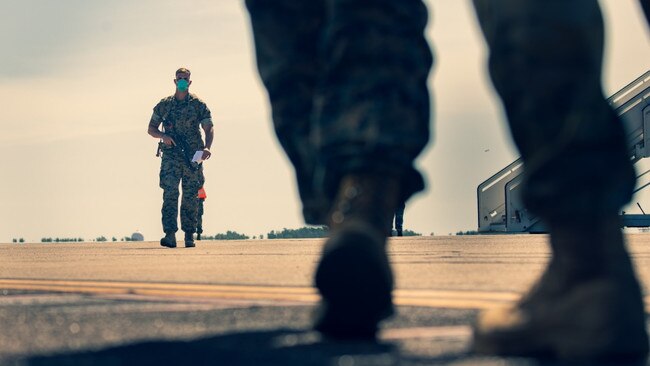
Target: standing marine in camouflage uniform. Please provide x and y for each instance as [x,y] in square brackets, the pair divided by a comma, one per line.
[181,116]
[347,81]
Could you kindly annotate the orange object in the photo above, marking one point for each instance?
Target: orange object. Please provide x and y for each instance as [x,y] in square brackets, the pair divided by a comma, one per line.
[202,194]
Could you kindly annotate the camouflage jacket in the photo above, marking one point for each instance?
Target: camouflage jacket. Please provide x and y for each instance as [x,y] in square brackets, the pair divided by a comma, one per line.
[183,118]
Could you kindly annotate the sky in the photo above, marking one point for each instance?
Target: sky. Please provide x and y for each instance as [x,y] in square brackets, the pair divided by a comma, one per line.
[79,79]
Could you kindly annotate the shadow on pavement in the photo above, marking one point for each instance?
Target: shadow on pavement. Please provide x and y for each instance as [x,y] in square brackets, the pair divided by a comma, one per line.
[277,347]
[274,347]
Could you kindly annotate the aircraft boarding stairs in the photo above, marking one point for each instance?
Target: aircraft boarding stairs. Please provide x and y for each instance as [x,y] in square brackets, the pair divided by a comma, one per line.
[499,199]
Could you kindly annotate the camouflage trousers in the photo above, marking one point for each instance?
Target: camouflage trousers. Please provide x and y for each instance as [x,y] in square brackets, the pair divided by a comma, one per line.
[347,81]
[347,84]
[174,170]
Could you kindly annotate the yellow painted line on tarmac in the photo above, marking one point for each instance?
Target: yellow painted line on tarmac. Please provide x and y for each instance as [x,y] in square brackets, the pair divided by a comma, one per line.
[156,286]
[425,298]
[453,299]
[441,332]
[421,298]
[198,291]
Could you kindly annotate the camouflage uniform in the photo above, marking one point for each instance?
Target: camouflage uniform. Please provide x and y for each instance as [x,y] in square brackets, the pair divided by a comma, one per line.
[183,118]
[348,89]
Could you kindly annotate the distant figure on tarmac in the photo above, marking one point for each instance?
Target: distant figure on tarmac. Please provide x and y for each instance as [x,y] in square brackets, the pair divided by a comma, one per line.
[399,219]
[347,82]
[202,196]
[181,115]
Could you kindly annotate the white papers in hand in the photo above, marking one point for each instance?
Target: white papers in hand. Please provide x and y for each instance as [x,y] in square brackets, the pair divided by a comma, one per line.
[198,157]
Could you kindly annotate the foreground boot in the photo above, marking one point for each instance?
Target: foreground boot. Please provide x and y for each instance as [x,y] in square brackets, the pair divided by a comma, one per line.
[586,307]
[189,240]
[169,240]
[354,275]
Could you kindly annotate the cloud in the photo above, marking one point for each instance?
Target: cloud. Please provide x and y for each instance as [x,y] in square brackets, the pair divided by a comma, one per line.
[40,38]
[37,35]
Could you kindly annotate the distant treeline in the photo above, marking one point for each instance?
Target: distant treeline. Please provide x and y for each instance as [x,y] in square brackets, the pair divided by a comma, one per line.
[303,232]
[61,240]
[468,232]
[315,232]
[407,232]
[78,240]
[229,235]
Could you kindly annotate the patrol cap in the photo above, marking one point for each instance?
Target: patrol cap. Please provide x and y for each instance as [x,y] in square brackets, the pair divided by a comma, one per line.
[183,70]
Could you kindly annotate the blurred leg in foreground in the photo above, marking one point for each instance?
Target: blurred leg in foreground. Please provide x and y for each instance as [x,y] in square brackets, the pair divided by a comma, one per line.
[545,62]
[347,84]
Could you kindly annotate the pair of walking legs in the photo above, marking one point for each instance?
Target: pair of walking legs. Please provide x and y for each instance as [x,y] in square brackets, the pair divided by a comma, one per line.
[347,81]
[174,171]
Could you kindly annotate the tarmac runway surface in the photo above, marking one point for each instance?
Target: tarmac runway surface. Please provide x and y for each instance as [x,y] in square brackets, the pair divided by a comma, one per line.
[250,302]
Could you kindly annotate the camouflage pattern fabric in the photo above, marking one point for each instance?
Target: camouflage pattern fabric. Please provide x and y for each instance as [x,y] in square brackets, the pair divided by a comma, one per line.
[347,85]
[184,117]
[175,171]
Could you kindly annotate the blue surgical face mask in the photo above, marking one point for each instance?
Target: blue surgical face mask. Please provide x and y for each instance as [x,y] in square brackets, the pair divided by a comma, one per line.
[182,85]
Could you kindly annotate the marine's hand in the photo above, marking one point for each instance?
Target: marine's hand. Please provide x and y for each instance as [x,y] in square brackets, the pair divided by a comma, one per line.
[168,140]
[206,154]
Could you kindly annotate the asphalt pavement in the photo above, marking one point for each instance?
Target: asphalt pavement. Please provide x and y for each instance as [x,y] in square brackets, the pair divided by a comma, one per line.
[251,302]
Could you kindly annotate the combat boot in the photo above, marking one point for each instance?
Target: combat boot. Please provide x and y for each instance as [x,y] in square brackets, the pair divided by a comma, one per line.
[189,240]
[169,240]
[586,307]
[354,276]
